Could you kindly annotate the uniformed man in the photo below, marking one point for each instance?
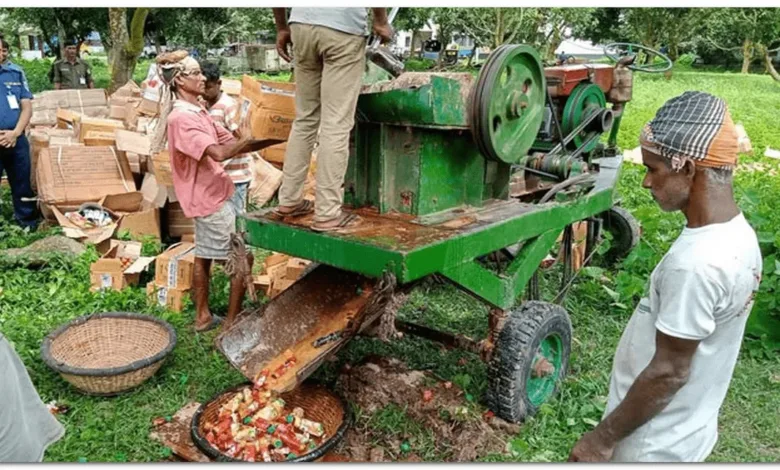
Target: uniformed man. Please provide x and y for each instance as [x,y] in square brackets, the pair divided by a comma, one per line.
[15,113]
[72,73]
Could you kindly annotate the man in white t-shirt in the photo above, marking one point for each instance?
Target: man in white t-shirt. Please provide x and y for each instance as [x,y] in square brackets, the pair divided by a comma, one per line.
[675,360]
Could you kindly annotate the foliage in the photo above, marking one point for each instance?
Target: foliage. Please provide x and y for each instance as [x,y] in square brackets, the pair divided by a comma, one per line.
[74,22]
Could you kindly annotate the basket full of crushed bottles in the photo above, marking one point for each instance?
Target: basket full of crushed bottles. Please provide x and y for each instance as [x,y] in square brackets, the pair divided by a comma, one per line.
[252,424]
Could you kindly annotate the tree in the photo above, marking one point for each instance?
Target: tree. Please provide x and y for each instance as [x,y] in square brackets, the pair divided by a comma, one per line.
[65,23]
[412,19]
[751,32]
[127,44]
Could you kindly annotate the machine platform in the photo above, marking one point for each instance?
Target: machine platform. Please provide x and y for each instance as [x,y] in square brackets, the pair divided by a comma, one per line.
[412,248]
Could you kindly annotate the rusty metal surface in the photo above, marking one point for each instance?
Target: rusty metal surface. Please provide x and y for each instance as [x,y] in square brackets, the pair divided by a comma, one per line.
[562,79]
[325,301]
[404,233]
[176,435]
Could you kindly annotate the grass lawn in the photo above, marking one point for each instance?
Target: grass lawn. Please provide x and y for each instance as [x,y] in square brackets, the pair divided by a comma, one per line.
[32,303]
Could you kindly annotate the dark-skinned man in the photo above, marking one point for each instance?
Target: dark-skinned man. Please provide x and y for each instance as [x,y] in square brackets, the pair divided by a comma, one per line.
[329,47]
[675,360]
[71,72]
[15,113]
[197,146]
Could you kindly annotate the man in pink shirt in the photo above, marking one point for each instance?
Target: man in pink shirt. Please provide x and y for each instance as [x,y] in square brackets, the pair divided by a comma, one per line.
[197,146]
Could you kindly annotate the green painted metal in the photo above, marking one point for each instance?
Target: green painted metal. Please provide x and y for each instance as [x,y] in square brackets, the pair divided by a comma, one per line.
[539,389]
[502,289]
[613,133]
[585,99]
[508,105]
[441,102]
[372,256]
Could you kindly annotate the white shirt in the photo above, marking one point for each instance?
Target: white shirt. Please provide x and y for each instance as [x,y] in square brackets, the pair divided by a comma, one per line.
[702,289]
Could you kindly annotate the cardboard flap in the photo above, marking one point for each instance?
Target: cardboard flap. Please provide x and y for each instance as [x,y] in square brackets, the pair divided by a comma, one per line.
[129,141]
[139,265]
[104,265]
[154,195]
[124,202]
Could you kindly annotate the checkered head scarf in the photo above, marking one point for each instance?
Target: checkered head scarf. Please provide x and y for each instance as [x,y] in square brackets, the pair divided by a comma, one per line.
[693,126]
[169,66]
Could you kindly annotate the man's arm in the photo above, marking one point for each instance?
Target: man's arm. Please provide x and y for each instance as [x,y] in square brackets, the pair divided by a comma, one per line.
[650,393]
[222,152]
[57,77]
[381,27]
[90,82]
[283,38]
[8,138]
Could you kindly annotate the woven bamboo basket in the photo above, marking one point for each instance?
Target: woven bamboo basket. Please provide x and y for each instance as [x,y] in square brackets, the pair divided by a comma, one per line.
[318,403]
[108,353]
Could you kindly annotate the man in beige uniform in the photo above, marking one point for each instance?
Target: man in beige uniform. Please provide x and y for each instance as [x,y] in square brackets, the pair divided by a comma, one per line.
[329,47]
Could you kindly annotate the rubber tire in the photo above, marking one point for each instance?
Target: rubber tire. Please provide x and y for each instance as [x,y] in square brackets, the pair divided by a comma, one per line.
[624,229]
[512,360]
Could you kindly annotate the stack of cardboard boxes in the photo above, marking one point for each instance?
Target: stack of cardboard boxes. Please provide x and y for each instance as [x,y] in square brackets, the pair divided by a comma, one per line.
[90,148]
[173,276]
[279,272]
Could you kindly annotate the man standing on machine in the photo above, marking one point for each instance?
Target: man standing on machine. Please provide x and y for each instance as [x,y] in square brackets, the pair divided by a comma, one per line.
[675,360]
[329,47]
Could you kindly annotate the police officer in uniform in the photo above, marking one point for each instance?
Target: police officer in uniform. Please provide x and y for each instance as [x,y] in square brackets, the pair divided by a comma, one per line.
[70,72]
[15,113]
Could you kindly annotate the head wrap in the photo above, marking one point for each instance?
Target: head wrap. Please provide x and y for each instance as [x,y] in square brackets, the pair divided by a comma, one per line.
[169,66]
[693,126]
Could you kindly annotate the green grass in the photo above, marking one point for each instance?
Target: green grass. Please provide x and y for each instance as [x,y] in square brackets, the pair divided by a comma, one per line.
[33,303]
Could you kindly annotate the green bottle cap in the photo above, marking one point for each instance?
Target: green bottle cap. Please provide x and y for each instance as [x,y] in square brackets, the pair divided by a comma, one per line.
[247,420]
[290,418]
[291,456]
[271,429]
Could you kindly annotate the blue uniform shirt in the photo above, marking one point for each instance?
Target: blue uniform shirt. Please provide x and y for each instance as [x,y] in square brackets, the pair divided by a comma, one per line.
[12,83]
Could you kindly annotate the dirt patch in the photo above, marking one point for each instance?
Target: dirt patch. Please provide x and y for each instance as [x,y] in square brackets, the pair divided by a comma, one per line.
[459,430]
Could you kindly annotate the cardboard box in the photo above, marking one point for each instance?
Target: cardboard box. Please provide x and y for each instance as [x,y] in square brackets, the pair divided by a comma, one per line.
[66,118]
[135,142]
[99,139]
[178,223]
[175,266]
[128,90]
[231,87]
[272,106]
[275,153]
[168,297]
[161,164]
[120,267]
[86,102]
[89,124]
[278,286]
[134,214]
[70,176]
[266,181]
[148,107]
[295,267]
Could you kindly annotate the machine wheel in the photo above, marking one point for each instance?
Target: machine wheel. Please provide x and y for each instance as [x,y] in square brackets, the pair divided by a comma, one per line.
[624,229]
[530,359]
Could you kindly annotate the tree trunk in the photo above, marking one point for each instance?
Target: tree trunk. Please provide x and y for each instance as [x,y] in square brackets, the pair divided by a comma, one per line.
[61,38]
[768,63]
[127,44]
[411,48]
[747,55]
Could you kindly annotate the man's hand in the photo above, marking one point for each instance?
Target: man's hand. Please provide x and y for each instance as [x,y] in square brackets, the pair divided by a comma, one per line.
[283,42]
[8,139]
[591,448]
[383,30]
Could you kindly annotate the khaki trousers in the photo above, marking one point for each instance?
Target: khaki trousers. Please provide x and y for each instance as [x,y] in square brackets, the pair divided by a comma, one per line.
[329,69]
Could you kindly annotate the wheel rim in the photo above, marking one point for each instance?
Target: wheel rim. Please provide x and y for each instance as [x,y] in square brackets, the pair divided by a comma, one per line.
[584,100]
[545,370]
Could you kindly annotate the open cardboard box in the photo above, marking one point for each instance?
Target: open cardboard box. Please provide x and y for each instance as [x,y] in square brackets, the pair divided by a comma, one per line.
[272,107]
[119,267]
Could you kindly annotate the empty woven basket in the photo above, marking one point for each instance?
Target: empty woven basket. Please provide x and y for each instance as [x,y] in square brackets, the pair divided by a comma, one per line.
[108,353]
[318,403]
